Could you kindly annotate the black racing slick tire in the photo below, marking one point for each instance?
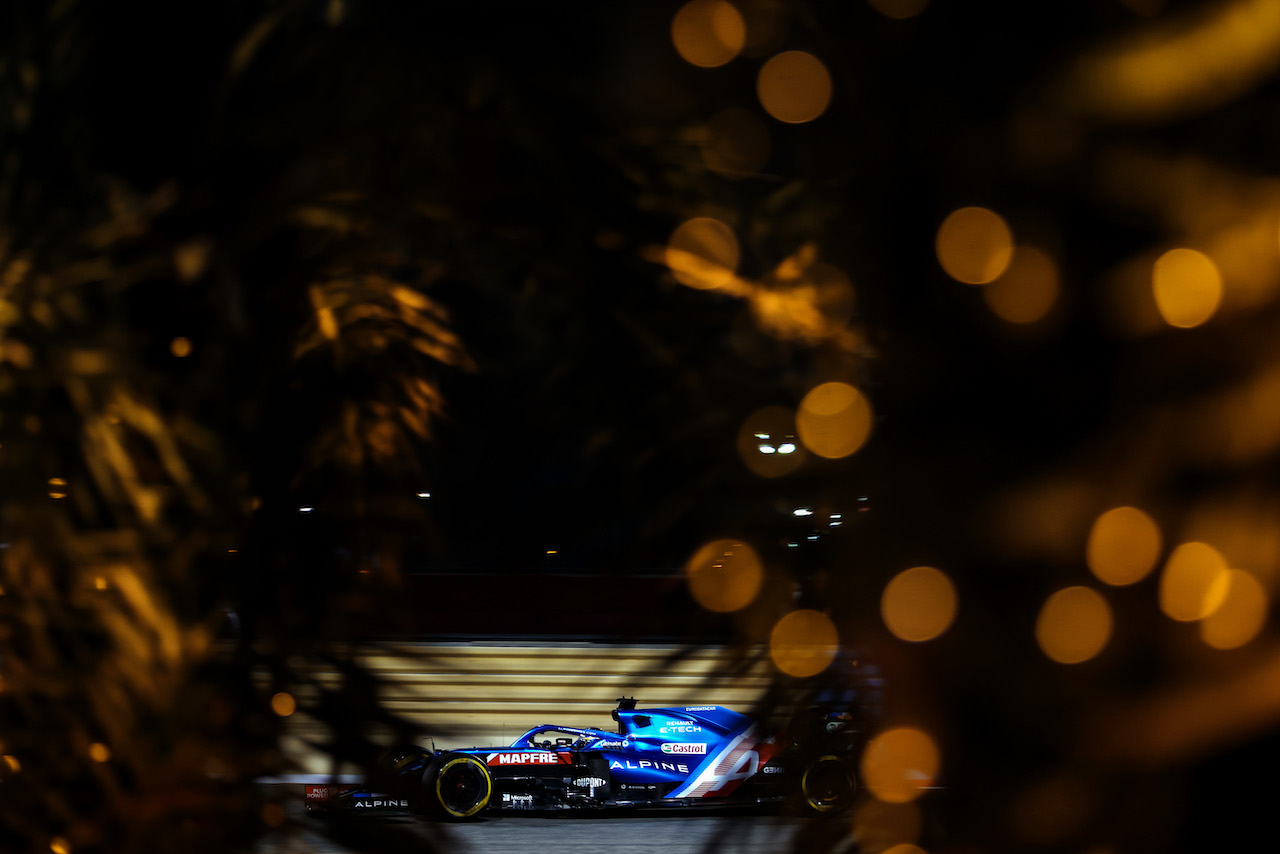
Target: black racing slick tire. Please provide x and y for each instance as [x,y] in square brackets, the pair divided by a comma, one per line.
[459,787]
[827,785]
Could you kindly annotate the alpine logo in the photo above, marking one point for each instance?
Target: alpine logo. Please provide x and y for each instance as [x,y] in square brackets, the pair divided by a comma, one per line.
[670,747]
[529,758]
[651,764]
[719,774]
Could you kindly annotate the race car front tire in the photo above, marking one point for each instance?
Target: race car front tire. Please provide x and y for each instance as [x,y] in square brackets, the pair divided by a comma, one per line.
[827,785]
[460,786]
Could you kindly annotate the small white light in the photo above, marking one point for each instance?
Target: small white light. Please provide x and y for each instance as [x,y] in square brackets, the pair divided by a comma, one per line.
[836,516]
[802,511]
[813,536]
[793,545]
[424,494]
[787,448]
[305,509]
[766,449]
[762,435]
[836,524]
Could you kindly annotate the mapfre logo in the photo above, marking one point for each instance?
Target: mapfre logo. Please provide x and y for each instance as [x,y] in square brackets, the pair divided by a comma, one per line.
[539,758]
[671,747]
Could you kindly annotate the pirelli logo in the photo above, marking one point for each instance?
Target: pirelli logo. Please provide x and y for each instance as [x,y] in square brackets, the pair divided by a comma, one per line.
[524,757]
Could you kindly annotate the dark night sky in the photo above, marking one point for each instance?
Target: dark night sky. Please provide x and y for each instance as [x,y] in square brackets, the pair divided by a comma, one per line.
[601,418]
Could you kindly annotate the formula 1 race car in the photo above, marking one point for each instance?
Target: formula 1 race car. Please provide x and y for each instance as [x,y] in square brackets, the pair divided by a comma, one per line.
[674,757]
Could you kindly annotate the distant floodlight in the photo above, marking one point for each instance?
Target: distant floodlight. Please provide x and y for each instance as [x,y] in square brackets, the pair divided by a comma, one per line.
[793,545]
[424,494]
[766,449]
[787,448]
[762,435]
[813,536]
[802,511]
[305,509]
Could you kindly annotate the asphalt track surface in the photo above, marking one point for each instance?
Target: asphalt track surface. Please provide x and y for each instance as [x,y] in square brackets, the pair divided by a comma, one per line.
[736,833]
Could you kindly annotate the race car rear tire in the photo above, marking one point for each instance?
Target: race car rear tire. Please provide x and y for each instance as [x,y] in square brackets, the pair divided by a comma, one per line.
[460,786]
[827,785]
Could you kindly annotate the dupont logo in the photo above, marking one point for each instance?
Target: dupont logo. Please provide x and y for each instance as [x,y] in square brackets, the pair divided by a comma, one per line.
[317,793]
[671,747]
[540,758]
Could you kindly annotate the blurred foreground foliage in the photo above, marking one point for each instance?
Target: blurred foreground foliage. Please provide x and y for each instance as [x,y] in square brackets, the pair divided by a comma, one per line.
[215,310]
[251,255]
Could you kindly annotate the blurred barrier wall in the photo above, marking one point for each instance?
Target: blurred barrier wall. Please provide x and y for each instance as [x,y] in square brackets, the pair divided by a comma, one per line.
[480,693]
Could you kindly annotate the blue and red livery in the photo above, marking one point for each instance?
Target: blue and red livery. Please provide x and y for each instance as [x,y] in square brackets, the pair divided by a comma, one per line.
[668,757]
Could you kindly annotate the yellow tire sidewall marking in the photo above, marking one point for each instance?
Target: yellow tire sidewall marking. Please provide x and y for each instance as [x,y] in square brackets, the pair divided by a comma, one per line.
[488,782]
[804,784]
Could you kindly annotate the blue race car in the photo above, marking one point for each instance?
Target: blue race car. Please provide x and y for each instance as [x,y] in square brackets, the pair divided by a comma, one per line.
[674,757]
